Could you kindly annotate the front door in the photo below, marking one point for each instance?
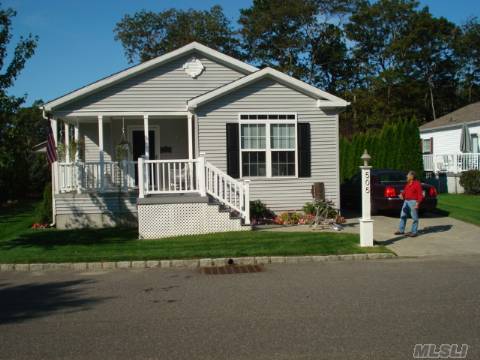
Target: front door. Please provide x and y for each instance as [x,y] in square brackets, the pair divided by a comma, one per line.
[138,147]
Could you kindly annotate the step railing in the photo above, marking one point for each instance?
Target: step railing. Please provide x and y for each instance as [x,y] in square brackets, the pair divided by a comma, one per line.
[194,176]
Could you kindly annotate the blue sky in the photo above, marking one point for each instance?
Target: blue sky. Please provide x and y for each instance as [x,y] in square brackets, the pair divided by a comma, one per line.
[77,47]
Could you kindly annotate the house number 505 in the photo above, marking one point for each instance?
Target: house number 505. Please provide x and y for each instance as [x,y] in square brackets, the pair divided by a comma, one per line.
[367,182]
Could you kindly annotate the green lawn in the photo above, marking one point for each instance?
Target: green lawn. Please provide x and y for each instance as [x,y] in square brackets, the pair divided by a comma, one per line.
[461,206]
[20,244]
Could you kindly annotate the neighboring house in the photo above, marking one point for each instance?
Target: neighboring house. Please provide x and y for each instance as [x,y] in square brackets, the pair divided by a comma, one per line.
[158,142]
[441,138]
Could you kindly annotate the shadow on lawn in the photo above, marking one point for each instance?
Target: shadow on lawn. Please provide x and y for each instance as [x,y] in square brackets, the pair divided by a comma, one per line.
[51,238]
[27,301]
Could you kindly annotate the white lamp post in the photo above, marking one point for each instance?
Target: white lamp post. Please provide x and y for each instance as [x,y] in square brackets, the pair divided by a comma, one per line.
[366,222]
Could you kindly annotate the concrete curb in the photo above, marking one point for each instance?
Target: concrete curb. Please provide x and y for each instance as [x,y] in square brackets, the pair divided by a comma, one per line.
[188,263]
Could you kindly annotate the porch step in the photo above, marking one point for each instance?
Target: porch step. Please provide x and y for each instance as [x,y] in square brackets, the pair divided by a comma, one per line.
[184,214]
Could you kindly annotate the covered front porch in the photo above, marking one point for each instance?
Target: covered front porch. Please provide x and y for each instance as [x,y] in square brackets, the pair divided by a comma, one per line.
[100,153]
[139,155]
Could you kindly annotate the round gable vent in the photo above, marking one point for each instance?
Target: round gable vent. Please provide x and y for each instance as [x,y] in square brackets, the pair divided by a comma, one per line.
[193,67]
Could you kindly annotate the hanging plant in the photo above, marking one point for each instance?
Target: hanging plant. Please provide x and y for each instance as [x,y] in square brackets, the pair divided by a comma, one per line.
[61,152]
[123,148]
[72,150]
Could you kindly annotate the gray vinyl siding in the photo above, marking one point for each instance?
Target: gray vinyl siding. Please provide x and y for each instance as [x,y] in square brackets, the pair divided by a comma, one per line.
[79,204]
[164,88]
[89,134]
[173,134]
[269,96]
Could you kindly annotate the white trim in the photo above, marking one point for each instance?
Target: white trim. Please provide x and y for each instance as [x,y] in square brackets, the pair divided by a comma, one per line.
[194,46]
[66,138]
[146,136]
[155,128]
[106,113]
[326,98]
[190,135]
[268,150]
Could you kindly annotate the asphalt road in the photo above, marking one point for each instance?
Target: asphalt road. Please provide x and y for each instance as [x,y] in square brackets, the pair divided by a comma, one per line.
[337,310]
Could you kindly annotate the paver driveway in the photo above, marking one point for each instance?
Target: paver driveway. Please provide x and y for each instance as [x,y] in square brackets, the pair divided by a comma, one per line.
[439,235]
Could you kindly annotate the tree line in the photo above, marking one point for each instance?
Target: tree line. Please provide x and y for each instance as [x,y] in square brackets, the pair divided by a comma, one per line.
[395,146]
[391,59]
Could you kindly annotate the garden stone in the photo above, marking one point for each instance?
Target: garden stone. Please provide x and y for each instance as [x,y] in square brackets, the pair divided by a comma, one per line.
[153,263]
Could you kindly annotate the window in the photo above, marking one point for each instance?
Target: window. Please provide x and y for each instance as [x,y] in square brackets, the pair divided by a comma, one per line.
[268,145]
[427,146]
[475,144]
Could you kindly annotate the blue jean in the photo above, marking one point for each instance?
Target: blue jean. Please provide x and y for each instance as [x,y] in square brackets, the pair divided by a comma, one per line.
[408,208]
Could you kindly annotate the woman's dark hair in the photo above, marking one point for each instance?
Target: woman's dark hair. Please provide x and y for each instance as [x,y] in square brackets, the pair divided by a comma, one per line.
[411,172]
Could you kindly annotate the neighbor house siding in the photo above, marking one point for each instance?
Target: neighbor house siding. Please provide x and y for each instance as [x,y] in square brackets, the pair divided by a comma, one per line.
[165,88]
[269,96]
[447,141]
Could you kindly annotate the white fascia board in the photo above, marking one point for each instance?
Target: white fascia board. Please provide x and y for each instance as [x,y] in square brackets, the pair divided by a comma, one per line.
[289,81]
[240,65]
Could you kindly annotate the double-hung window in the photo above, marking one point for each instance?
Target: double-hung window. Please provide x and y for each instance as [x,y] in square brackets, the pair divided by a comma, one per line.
[268,145]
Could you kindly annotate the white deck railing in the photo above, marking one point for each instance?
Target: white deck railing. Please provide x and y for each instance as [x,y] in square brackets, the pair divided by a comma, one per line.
[454,163]
[194,176]
[87,176]
[168,176]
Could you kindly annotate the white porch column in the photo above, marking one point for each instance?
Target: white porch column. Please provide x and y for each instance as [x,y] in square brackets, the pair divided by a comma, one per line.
[55,187]
[101,153]
[145,130]
[76,137]
[78,166]
[190,135]
[201,175]
[67,142]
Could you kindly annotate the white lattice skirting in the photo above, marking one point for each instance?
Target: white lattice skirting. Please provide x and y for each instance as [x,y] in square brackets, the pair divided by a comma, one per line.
[162,220]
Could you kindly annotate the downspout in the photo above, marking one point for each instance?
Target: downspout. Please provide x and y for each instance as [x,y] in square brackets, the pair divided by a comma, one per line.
[54,208]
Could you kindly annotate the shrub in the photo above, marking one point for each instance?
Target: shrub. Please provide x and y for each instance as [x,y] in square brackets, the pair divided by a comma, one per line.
[309,208]
[259,210]
[44,210]
[470,181]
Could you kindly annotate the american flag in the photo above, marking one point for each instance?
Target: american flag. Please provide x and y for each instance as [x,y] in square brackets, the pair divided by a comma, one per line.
[51,151]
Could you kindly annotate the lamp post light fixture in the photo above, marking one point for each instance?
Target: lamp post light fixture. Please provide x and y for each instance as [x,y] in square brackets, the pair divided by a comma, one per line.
[366,222]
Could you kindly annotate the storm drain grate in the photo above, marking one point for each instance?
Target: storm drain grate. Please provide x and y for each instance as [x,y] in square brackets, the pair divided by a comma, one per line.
[231,269]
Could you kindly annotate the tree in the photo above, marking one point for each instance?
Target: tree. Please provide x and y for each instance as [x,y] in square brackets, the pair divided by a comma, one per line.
[467,48]
[145,34]
[12,125]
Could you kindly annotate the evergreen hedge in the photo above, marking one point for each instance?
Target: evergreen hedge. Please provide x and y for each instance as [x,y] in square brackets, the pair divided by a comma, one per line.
[395,146]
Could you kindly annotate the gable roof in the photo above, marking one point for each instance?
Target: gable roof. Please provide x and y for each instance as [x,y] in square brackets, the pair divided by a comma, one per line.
[324,99]
[466,114]
[147,65]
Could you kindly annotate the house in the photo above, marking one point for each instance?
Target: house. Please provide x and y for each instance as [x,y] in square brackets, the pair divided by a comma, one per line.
[182,142]
[441,139]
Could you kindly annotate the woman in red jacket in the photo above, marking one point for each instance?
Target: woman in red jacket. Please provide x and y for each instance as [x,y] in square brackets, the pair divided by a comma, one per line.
[412,195]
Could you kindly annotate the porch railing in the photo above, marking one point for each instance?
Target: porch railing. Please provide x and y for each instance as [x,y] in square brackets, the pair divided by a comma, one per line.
[454,163]
[194,176]
[168,176]
[87,176]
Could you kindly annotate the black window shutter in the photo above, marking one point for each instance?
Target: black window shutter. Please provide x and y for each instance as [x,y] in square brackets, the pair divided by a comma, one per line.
[233,148]
[304,153]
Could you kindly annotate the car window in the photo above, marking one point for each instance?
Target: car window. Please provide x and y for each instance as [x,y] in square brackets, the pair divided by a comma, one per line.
[392,177]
